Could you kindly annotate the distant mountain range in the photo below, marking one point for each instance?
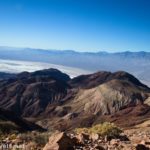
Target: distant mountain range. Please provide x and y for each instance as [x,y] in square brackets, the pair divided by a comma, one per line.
[136,63]
[54,100]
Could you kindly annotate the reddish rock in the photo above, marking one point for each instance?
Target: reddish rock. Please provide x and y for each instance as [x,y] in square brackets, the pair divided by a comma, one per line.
[59,141]
[94,137]
[114,142]
[82,138]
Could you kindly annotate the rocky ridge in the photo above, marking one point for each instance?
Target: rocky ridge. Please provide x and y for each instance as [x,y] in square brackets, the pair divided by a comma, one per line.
[54,100]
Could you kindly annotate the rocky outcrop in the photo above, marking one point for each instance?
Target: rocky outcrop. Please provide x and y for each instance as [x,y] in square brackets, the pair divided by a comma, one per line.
[59,141]
[87,142]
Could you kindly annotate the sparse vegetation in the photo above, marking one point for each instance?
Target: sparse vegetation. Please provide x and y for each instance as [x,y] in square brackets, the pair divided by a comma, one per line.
[39,138]
[104,129]
[35,140]
[8,127]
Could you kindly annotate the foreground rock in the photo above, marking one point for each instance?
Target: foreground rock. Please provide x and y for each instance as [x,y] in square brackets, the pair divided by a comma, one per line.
[132,139]
[59,141]
[129,140]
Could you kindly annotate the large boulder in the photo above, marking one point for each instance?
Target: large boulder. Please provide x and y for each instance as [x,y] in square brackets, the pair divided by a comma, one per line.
[59,141]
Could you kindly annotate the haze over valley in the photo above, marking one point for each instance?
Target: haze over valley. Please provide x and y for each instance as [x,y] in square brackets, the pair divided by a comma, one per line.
[75,63]
[17,66]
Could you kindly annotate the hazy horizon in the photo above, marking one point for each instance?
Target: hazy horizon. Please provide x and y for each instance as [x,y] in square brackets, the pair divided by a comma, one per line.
[74,50]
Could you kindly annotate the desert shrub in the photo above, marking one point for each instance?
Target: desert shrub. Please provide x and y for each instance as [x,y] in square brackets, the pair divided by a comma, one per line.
[104,129]
[82,130]
[7,127]
[13,136]
[25,137]
[41,139]
[36,137]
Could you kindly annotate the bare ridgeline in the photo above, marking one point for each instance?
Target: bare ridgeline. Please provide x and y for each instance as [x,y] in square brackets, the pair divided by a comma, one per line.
[103,110]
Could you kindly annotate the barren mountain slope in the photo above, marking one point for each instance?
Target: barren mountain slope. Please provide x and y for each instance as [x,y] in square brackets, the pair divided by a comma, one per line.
[52,95]
[29,94]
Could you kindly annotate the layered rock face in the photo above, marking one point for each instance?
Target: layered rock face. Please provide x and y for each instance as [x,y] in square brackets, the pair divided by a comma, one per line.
[110,97]
[58,100]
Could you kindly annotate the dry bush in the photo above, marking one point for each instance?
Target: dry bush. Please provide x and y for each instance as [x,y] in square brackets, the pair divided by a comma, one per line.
[104,129]
[7,127]
[37,137]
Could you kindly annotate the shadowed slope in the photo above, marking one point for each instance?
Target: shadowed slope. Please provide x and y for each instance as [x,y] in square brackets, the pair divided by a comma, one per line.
[20,124]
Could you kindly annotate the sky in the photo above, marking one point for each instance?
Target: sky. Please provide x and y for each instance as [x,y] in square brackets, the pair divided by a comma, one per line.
[82,25]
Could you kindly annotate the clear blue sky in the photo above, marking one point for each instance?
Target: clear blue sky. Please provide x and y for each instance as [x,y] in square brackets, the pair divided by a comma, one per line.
[83,25]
